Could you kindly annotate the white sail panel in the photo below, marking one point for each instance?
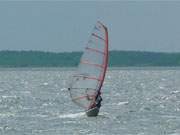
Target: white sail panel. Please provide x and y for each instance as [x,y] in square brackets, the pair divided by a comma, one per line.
[91,68]
[88,80]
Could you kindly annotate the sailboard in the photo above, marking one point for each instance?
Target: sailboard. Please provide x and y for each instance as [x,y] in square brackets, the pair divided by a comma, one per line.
[85,85]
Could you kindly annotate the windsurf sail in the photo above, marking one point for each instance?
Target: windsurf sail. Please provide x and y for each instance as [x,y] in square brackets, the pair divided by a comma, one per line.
[86,83]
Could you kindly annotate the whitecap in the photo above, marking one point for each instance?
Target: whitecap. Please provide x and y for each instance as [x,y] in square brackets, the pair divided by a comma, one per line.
[64,89]
[7,114]
[8,96]
[123,103]
[161,87]
[72,115]
[175,92]
[45,83]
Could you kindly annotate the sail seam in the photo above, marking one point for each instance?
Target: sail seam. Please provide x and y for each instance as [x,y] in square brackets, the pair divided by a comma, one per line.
[84,88]
[96,28]
[81,97]
[95,35]
[88,77]
[95,50]
[90,63]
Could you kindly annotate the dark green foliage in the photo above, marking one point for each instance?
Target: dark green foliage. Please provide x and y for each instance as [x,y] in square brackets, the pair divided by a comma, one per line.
[38,59]
[71,59]
[137,58]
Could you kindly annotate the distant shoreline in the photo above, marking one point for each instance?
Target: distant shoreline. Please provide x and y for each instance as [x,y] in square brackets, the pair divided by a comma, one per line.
[75,68]
[123,59]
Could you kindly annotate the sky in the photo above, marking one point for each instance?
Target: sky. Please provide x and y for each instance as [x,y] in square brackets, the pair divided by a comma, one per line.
[64,26]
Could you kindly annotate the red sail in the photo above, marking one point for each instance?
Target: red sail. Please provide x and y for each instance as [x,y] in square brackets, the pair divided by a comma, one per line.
[89,78]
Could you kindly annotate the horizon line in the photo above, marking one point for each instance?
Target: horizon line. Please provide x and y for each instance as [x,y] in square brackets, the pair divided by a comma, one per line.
[83,50]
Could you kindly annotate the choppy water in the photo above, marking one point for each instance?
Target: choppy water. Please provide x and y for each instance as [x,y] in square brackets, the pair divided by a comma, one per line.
[143,102]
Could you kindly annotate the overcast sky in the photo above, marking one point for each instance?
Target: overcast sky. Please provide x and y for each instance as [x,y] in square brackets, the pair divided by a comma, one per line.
[65,26]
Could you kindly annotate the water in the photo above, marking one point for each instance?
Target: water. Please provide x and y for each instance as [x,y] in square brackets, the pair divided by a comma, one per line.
[139,102]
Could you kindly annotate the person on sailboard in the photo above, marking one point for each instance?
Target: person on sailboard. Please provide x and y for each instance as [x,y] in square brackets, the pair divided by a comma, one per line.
[98,100]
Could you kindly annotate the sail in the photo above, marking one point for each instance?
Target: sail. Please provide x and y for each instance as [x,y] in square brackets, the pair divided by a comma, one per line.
[86,83]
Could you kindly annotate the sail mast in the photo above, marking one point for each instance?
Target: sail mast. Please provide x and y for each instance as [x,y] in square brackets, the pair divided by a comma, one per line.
[106,55]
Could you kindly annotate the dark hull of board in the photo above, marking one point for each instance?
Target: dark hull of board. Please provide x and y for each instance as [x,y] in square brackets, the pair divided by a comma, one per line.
[92,112]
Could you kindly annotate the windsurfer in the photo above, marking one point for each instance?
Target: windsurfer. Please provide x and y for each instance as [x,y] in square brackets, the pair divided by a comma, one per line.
[97,102]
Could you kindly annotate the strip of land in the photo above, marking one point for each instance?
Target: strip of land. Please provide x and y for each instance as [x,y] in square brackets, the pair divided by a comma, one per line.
[71,59]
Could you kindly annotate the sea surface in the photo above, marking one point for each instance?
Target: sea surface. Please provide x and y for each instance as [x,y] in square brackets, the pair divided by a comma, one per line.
[136,101]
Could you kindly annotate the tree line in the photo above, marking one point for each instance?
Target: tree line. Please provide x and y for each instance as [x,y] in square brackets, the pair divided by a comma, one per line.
[71,59]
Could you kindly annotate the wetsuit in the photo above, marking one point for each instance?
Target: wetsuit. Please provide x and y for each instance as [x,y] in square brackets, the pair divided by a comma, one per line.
[98,101]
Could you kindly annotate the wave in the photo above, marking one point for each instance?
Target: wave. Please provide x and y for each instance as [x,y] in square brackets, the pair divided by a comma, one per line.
[72,115]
